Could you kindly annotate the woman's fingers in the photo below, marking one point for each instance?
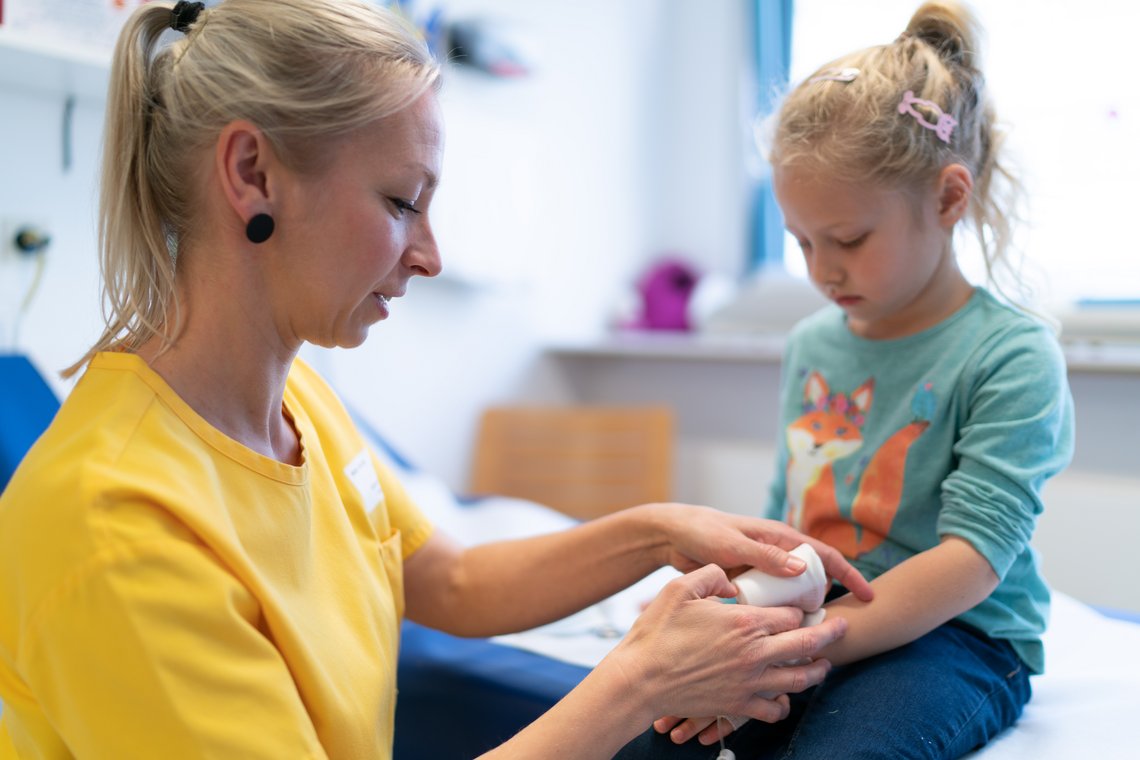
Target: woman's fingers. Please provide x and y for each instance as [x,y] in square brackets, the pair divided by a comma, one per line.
[775,540]
[773,647]
[792,679]
[699,657]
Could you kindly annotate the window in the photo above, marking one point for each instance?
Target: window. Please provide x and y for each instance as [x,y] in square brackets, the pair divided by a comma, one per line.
[1061,76]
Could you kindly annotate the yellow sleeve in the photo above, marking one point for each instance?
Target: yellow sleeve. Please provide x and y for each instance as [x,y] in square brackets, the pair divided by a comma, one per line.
[153,649]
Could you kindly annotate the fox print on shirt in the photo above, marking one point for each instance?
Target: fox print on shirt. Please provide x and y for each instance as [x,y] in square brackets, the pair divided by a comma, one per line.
[831,428]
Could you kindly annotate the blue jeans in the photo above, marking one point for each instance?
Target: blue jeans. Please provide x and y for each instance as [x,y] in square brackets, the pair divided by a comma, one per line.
[940,696]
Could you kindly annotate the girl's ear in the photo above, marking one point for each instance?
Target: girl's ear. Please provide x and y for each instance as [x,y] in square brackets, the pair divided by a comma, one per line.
[955,187]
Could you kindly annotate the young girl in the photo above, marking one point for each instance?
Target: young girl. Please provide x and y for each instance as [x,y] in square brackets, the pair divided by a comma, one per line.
[922,415]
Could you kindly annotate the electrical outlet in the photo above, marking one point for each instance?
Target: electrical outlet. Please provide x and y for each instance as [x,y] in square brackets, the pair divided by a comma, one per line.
[23,238]
[24,244]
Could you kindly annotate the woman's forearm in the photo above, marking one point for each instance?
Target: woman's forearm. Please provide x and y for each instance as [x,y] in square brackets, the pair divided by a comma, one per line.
[595,720]
[912,599]
[514,585]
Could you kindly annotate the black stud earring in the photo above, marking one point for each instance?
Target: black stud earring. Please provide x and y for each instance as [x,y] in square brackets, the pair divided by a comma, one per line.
[259,229]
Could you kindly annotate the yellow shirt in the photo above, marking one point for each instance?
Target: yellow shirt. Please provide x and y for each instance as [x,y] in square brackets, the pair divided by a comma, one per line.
[166,592]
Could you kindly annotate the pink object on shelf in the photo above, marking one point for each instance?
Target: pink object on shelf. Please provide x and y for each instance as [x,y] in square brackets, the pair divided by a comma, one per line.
[665,290]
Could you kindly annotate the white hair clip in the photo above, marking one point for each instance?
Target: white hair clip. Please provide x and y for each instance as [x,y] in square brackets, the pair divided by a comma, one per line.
[944,124]
[846,74]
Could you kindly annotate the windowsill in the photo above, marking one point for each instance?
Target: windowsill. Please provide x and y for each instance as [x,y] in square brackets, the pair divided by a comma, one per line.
[1081,356]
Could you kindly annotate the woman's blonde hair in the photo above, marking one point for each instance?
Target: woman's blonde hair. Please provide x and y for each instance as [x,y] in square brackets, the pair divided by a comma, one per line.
[850,126]
[305,72]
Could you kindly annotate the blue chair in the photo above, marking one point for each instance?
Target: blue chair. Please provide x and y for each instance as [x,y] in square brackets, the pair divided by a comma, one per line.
[27,407]
[462,697]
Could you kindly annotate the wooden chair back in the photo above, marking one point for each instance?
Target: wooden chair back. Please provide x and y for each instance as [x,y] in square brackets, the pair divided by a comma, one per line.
[585,461]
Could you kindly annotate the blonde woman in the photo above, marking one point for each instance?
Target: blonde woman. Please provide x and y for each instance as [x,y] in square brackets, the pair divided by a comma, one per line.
[201,558]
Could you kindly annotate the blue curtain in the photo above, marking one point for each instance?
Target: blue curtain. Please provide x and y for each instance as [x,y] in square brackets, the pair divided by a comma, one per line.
[773,54]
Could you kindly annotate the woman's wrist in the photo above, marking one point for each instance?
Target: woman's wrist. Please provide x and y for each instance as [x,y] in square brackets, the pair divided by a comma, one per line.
[625,677]
[658,525]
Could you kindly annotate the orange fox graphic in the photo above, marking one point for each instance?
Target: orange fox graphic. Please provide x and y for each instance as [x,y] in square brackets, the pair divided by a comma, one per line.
[832,428]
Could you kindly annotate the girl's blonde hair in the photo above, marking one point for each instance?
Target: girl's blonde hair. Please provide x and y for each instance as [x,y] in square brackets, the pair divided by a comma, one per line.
[849,124]
[305,72]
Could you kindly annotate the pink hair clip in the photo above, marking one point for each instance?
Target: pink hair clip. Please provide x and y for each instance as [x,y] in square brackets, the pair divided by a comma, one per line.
[943,127]
[846,74]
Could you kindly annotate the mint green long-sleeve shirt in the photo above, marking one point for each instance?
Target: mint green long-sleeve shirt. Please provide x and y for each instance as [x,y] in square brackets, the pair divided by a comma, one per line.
[891,445]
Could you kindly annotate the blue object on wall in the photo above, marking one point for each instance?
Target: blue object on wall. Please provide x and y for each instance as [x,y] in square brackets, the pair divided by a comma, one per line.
[484,45]
[27,407]
[773,67]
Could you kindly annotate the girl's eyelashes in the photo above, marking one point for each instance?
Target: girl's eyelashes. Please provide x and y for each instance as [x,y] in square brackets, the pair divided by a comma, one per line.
[845,244]
[403,206]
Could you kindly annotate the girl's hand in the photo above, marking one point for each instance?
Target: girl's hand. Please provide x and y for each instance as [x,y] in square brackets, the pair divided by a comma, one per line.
[680,730]
[701,535]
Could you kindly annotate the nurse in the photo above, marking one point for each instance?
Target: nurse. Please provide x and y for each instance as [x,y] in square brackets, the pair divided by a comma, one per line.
[201,557]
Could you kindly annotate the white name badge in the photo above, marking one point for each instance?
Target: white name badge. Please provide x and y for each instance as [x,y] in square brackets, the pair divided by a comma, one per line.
[363,475]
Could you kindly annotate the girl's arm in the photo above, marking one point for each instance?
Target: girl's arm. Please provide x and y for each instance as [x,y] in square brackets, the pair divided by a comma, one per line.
[912,599]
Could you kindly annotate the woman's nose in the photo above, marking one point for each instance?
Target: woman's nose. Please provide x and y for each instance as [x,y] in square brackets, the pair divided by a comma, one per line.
[423,255]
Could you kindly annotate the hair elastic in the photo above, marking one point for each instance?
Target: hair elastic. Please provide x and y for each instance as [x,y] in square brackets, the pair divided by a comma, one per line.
[942,127]
[259,228]
[183,14]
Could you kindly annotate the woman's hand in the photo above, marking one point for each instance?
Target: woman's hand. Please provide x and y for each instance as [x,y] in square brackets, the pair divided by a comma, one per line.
[688,654]
[701,535]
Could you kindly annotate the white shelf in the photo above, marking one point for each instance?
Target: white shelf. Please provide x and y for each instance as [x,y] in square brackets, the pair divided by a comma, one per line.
[47,69]
[1083,356]
[678,345]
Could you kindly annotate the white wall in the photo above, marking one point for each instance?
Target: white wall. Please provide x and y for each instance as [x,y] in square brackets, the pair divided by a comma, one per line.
[63,320]
[542,216]
[557,190]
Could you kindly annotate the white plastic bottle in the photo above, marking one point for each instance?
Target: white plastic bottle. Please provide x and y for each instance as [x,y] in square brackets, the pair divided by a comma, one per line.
[806,590]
